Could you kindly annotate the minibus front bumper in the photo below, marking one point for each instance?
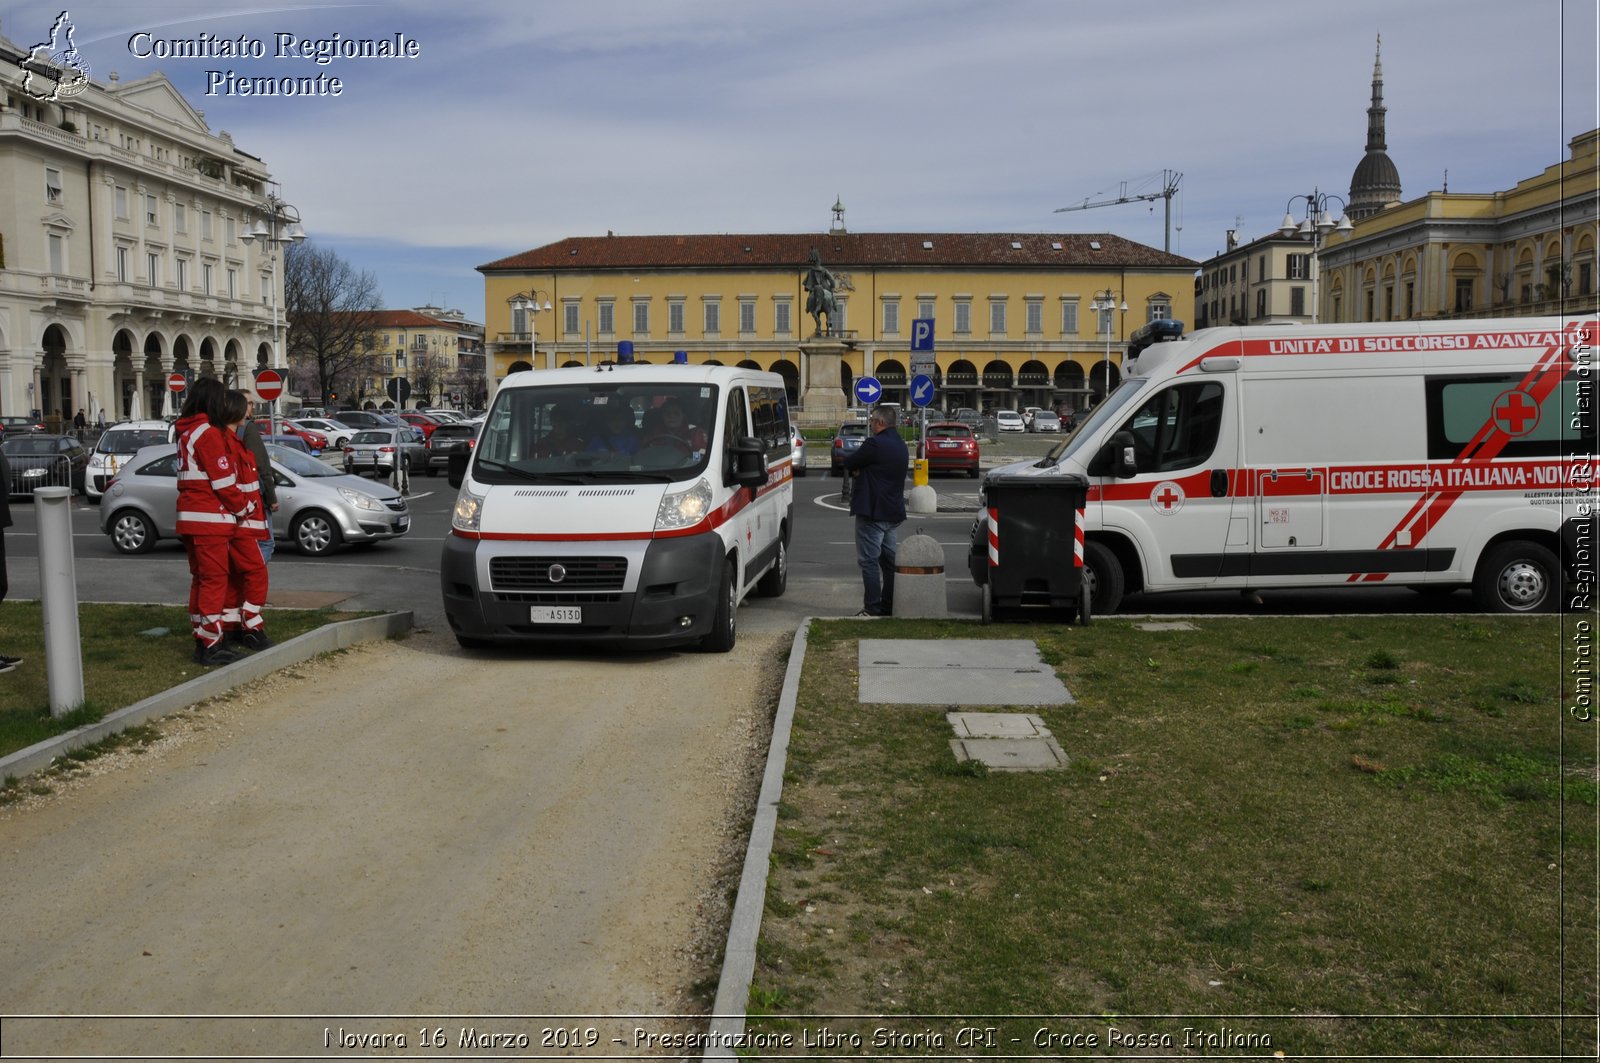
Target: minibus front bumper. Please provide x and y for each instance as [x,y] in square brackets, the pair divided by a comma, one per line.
[645,592]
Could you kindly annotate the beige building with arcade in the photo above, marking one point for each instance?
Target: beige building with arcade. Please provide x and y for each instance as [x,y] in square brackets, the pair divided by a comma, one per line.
[1013,324]
[120,253]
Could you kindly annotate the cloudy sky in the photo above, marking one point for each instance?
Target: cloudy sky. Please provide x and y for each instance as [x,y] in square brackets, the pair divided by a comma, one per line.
[524,121]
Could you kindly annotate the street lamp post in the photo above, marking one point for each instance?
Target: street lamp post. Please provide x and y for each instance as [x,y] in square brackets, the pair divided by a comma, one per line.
[1104,303]
[277,228]
[528,303]
[1317,223]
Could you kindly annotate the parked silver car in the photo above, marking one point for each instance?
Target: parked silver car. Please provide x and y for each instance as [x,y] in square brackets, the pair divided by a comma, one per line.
[319,507]
[373,450]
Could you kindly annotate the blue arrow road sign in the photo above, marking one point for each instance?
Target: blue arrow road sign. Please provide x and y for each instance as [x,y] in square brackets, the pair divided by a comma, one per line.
[868,389]
[921,390]
[922,334]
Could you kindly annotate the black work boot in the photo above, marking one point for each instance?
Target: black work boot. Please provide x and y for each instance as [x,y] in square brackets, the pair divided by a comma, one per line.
[215,655]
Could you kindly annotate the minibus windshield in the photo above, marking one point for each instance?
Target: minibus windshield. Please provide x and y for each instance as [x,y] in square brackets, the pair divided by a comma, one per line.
[588,433]
[1108,409]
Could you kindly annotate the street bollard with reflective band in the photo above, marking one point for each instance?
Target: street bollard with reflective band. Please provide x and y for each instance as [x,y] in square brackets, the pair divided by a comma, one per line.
[58,597]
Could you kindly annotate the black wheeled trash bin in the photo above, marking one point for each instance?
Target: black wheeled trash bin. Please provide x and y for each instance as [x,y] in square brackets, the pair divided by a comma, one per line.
[1035,558]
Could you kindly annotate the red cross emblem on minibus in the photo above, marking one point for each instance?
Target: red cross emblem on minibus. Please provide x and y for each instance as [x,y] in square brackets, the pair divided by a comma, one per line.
[1167,497]
[1515,413]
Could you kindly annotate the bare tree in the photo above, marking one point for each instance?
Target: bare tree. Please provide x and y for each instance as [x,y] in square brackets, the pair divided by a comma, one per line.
[332,311]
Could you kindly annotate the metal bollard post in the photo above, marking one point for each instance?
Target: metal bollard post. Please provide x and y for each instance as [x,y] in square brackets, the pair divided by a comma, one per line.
[58,596]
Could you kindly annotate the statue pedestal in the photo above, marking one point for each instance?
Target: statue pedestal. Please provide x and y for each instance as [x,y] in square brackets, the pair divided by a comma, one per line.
[821,359]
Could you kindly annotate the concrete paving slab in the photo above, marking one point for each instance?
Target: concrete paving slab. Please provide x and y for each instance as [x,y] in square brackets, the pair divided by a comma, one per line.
[1166,625]
[1010,754]
[997,725]
[956,672]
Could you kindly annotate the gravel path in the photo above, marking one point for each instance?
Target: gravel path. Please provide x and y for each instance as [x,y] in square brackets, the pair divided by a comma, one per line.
[399,829]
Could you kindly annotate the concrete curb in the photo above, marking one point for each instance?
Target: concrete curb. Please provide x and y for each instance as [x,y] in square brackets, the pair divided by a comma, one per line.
[209,685]
[739,958]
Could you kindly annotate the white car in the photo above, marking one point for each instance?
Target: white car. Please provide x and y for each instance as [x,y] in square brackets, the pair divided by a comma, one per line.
[1008,421]
[797,444]
[116,445]
[338,434]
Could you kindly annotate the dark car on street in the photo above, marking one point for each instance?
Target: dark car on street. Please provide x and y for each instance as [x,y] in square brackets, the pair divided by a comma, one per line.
[848,438]
[458,437]
[45,461]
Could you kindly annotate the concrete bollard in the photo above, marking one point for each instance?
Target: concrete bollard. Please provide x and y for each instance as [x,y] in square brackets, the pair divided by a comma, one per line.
[922,499]
[919,590]
[58,596]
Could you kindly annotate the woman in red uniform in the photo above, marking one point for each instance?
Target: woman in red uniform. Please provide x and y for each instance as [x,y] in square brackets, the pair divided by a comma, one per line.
[210,506]
[247,566]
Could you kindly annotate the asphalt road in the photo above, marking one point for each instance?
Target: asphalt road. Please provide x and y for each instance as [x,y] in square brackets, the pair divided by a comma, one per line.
[823,581]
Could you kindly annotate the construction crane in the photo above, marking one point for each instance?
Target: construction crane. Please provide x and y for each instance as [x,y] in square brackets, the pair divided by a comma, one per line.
[1169,188]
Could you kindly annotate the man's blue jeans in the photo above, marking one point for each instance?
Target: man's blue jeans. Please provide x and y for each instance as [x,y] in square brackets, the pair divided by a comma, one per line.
[875,542]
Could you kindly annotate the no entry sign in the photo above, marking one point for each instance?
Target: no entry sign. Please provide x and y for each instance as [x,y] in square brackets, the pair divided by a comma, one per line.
[269,384]
[176,383]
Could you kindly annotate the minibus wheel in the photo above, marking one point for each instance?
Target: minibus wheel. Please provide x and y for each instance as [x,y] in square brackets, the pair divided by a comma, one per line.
[776,579]
[1517,577]
[1103,579]
[724,631]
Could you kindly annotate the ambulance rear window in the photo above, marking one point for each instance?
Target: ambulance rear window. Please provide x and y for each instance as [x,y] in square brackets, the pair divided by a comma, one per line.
[1527,420]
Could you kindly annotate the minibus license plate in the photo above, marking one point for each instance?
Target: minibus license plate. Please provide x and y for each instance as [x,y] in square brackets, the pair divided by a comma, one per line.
[557,614]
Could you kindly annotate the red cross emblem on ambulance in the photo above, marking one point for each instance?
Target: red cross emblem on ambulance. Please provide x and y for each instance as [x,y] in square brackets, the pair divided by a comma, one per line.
[1515,413]
[1167,498]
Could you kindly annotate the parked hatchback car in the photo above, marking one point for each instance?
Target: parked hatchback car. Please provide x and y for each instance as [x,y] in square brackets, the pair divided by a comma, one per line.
[952,448]
[116,445]
[45,461]
[457,437]
[1008,421]
[374,451]
[1045,421]
[318,506]
[10,425]
[797,445]
[315,441]
[337,433]
[848,438]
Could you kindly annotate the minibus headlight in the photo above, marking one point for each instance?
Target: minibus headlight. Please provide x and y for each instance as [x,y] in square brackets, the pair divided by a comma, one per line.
[684,509]
[468,511]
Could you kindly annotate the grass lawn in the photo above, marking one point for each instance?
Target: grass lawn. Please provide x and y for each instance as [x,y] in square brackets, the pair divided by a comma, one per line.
[130,652]
[1338,836]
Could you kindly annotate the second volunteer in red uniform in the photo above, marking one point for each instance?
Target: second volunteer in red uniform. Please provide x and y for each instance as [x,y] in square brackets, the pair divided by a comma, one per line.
[247,566]
[210,507]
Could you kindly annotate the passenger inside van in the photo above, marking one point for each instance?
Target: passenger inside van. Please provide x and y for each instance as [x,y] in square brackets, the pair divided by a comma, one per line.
[616,434]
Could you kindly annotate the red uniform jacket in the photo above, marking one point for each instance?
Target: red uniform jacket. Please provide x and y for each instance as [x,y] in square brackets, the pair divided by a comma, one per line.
[209,500]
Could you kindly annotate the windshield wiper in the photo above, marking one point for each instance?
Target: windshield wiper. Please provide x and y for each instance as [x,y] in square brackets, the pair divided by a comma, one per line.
[523,474]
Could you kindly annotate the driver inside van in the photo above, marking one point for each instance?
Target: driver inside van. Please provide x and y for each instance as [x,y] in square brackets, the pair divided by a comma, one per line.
[674,427]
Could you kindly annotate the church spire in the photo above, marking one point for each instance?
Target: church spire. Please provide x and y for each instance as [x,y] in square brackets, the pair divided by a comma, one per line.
[1376,182]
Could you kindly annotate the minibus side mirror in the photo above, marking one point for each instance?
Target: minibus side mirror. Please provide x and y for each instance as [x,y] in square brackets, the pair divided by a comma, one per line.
[1117,457]
[457,469]
[748,456]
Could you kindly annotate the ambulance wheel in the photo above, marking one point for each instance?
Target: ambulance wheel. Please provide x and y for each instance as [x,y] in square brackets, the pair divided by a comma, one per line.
[1102,579]
[776,578]
[1517,577]
[724,629]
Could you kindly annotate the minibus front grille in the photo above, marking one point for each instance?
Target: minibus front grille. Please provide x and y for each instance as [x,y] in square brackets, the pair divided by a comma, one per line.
[558,573]
[569,598]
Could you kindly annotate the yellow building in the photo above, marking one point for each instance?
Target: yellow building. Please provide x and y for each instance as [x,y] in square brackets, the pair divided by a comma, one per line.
[1012,319]
[438,353]
[1526,251]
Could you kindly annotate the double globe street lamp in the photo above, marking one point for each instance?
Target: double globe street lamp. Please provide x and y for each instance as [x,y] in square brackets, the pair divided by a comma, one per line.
[276,228]
[1316,224]
[527,304]
[1104,304]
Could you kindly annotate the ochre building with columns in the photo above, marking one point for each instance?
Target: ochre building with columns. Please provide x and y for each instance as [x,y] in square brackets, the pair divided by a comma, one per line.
[1013,324]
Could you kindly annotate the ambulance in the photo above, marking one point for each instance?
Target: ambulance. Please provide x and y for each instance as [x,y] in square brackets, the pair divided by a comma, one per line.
[1433,455]
[629,504]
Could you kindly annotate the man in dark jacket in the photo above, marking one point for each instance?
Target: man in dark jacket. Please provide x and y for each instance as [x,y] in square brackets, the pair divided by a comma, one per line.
[879,505]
